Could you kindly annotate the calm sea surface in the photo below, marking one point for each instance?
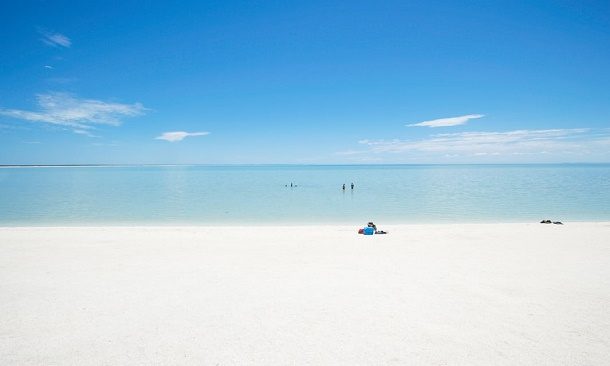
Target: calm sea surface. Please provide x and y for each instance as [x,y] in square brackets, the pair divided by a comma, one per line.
[203,195]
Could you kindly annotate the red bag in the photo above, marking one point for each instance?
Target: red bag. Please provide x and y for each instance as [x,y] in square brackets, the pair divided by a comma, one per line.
[361,231]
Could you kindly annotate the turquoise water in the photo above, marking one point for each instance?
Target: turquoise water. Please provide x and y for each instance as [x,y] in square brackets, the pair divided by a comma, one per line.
[203,195]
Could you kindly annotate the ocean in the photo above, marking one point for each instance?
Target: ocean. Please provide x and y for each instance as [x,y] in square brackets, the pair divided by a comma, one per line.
[262,194]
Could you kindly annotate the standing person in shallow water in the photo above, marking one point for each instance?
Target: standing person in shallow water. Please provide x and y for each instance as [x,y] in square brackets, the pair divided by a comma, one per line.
[352,186]
[344,186]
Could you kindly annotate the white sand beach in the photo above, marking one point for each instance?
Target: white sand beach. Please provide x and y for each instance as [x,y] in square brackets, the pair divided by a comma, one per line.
[470,294]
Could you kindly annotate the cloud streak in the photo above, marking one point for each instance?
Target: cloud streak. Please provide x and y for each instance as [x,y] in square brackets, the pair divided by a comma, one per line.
[509,145]
[67,110]
[176,136]
[56,40]
[447,122]
[481,142]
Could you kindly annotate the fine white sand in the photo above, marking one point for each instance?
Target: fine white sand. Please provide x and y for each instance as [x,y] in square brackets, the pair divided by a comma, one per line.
[476,294]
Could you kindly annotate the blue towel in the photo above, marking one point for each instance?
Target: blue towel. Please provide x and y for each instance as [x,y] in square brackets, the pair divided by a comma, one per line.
[369,230]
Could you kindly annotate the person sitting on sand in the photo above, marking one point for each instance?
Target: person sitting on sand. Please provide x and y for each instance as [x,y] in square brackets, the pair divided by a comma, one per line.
[371,224]
[371,229]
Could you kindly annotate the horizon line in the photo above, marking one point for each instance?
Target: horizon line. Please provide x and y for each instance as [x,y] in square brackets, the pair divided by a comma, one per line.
[278,164]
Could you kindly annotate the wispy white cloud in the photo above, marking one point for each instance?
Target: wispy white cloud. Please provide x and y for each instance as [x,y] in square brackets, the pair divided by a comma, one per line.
[480,142]
[447,122]
[84,133]
[67,110]
[55,39]
[509,145]
[48,67]
[179,135]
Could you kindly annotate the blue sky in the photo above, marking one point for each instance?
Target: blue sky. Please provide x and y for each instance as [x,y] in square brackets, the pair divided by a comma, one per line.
[304,82]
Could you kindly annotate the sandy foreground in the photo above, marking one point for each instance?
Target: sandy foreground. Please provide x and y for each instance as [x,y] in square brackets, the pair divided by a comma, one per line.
[475,294]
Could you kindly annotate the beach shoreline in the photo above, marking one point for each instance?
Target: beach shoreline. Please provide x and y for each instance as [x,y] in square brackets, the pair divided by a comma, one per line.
[459,294]
[336,225]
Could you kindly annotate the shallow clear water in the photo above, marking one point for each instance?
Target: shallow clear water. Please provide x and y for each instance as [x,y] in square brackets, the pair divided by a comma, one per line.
[200,195]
